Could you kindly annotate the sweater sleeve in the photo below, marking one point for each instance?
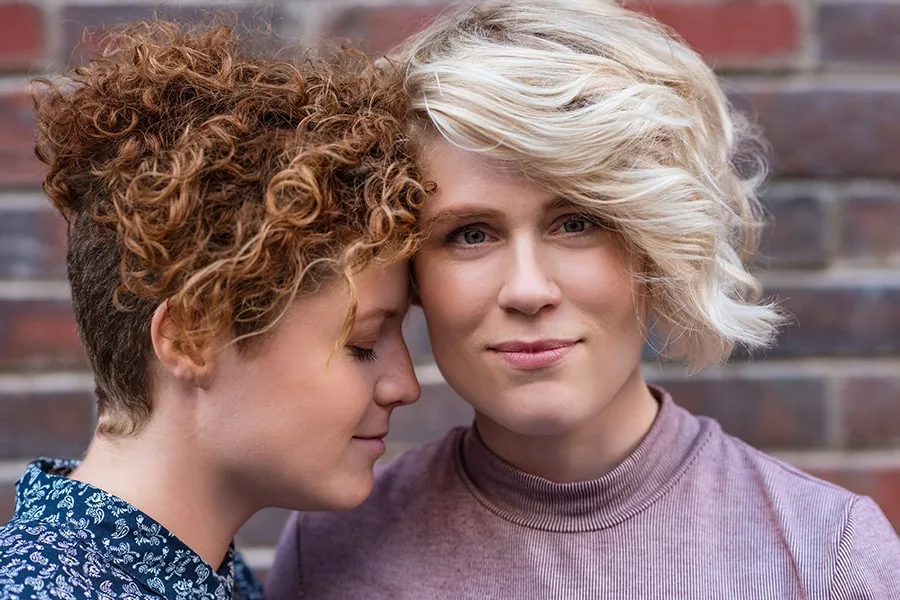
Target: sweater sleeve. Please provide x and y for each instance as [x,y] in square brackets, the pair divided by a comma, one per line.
[284,579]
[868,558]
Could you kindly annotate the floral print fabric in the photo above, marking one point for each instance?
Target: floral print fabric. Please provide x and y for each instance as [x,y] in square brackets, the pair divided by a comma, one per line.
[69,540]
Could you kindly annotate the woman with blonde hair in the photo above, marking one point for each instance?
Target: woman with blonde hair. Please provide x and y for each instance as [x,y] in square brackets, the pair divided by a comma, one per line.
[590,182]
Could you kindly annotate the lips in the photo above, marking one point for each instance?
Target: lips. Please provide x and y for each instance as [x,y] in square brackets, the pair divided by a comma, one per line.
[535,346]
[372,444]
[374,436]
[533,355]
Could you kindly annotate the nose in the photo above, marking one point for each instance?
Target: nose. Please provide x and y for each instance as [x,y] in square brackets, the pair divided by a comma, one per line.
[528,287]
[398,384]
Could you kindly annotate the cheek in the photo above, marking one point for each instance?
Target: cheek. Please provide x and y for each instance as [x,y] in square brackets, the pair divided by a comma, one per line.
[320,418]
[455,295]
[344,395]
[601,285]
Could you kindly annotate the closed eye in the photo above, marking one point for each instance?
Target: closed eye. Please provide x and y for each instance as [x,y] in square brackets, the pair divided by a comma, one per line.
[367,355]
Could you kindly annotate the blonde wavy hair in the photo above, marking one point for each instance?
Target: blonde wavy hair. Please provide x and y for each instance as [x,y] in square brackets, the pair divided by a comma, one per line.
[604,107]
[195,173]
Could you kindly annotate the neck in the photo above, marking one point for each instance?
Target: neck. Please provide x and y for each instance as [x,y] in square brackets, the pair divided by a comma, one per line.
[158,473]
[587,452]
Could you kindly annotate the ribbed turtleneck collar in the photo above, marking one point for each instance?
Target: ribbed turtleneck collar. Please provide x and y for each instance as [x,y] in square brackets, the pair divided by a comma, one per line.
[636,483]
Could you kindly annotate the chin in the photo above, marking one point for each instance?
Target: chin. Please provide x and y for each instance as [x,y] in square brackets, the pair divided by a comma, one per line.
[532,413]
[545,421]
[339,493]
[351,493]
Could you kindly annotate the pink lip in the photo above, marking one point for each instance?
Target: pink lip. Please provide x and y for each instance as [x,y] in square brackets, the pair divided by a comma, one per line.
[529,356]
[373,436]
[375,445]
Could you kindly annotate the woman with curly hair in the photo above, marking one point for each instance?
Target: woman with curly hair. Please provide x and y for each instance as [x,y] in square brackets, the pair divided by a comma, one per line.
[238,236]
[590,182]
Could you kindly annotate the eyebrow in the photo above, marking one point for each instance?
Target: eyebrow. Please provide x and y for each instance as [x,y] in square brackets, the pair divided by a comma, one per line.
[458,214]
[559,202]
[468,213]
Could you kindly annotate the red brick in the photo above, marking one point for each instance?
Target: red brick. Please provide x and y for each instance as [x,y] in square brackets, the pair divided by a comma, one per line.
[263,528]
[40,424]
[378,29]
[883,485]
[870,408]
[829,132]
[864,32]
[18,166]
[39,334]
[21,36]
[730,31]
[7,500]
[766,413]
[869,228]
[769,413]
[797,234]
[438,410]
[32,244]
[720,32]
[861,321]
[84,26]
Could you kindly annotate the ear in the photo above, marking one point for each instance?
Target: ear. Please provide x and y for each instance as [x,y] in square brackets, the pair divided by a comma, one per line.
[194,369]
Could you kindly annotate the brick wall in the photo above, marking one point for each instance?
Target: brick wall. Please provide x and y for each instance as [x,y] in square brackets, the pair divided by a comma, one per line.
[823,79]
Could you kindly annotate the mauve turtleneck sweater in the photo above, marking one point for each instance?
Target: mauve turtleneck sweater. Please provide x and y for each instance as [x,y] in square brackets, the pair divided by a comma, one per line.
[693,513]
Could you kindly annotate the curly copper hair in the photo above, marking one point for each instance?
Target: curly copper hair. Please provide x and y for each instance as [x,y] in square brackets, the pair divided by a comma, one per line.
[225,184]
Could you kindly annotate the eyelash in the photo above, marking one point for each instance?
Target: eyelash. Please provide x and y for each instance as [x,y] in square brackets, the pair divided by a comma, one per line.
[592,222]
[451,237]
[366,355]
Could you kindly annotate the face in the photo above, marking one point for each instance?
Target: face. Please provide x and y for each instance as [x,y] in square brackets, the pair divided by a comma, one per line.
[299,421]
[530,305]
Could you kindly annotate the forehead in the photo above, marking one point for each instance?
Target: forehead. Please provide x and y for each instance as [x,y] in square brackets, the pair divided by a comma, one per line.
[382,291]
[466,180]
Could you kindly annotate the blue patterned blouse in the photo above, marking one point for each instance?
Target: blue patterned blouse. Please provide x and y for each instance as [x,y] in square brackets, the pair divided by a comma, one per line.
[69,540]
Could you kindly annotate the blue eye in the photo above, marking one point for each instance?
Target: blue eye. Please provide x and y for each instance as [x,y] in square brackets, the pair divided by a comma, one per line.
[363,354]
[468,236]
[474,236]
[574,225]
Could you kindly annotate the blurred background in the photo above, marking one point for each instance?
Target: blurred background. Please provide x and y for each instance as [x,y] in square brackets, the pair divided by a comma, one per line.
[822,79]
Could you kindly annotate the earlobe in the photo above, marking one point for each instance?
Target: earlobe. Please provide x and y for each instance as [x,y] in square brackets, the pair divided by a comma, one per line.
[192,368]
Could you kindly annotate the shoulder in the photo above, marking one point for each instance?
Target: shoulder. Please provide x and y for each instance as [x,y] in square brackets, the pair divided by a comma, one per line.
[834,538]
[751,469]
[722,467]
[805,513]
[40,560]
[27,547]
[868,557]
